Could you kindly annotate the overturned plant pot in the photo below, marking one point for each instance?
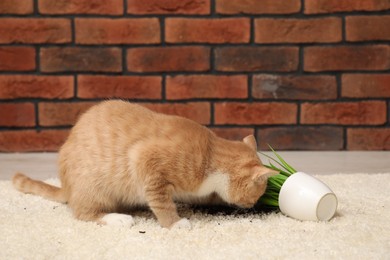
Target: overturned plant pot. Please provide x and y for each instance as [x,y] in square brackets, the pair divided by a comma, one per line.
[297,194]
[304,197]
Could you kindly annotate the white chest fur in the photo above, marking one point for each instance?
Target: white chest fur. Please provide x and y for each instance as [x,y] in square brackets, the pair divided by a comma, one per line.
[215,182]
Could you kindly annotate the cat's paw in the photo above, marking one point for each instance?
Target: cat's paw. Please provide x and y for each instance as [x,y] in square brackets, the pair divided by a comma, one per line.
[182,224]
[119,220]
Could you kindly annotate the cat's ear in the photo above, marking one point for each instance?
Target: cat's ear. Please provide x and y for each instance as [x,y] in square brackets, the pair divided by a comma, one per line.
[251,142]
[261,174]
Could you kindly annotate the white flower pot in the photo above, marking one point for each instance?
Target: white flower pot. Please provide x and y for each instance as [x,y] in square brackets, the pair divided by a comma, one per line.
[304,197]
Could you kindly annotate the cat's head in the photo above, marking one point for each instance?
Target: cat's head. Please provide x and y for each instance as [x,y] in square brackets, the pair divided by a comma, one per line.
[248,178]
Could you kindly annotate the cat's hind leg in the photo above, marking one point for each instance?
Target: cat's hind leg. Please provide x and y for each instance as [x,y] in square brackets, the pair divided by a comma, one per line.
[109,219]
[88,210]
[117,219]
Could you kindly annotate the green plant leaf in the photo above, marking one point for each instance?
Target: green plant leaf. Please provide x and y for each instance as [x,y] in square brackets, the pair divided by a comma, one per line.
[285,164]
[273,167]
[276,168]
[270,198]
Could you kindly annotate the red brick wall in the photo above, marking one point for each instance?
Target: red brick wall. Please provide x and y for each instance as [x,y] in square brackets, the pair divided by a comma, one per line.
[299,74]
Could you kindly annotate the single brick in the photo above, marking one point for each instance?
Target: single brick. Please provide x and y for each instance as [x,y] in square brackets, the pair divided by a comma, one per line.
[35,30]
[78,59]
[31,86]
[368,139]
[365,85]
[270,30]
[301,138]
[223,30]
[133,87]
[206,86]
[32,141]
[256,59]
[368,28]
[233,113]
[107,7]
[117,31]
[168,7]
[160,59]
[344,113]
[332,6]
[345,58]
[267,86]
[258,7]
[16,7]
[61,114]
[17,114]
[233,133]
[197,111]
[17,58]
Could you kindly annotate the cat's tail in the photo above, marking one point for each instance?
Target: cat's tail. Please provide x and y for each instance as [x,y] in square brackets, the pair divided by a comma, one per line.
[28,185]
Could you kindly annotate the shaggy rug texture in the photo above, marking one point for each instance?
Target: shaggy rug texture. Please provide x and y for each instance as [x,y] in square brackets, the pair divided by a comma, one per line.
[34,228]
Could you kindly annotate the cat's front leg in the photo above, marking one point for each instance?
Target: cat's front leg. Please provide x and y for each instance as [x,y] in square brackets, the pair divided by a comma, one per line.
[159,196]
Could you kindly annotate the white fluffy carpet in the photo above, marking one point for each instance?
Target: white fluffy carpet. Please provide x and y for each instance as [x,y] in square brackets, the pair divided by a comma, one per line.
[34,228]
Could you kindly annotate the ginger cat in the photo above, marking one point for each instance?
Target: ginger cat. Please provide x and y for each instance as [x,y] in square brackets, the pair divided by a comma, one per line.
[120,155]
